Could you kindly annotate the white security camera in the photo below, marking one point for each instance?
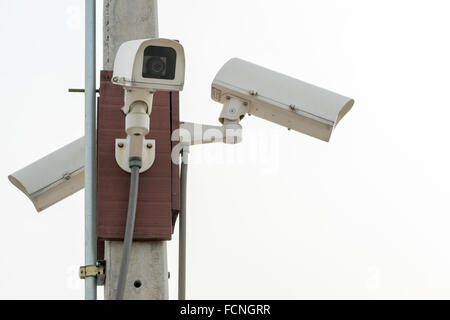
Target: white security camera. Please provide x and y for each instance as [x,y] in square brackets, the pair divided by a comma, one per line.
[54,177]
[155,64]
[245,88]
[143,67]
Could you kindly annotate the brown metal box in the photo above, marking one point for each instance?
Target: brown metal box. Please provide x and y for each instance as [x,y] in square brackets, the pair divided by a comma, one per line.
[159,187]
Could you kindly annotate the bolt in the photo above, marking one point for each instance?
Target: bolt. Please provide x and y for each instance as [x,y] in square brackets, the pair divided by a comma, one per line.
[149,146]
[121,145]
[115,79]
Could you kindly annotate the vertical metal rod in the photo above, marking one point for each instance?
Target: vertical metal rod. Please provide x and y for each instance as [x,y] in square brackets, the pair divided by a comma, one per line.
[91,154]
[182,235]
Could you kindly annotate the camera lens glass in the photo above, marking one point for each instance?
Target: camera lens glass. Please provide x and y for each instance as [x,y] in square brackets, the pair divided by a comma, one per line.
[159,63]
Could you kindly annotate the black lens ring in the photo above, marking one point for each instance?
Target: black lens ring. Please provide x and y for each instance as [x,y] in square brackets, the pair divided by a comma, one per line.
[156,65]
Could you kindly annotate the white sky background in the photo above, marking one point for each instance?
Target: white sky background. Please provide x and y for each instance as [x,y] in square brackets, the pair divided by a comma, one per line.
[283,215]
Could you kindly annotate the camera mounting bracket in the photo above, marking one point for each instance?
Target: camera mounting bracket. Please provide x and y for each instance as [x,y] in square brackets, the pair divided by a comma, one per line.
[195,134]
[123,147]
[132,95]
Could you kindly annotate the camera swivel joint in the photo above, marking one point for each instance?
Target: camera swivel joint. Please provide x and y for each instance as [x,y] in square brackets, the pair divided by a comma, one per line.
[137,126]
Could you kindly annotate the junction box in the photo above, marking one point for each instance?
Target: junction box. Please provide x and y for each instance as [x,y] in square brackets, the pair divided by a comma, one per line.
[159,188]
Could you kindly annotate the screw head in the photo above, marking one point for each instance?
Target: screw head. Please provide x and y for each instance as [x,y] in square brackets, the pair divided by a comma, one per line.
[115,79]
[120,145]
[149,146]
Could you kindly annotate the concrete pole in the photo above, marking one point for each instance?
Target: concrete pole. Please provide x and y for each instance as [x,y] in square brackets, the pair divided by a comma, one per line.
[90,169]
[127,20]
[147,279]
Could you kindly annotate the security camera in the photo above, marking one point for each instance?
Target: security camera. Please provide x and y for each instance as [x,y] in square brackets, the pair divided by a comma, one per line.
[143,67]
[155,64]
[246,88]
[54,177]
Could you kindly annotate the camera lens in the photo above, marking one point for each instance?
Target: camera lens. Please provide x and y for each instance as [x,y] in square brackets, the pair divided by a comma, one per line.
[159,63]
[156,65]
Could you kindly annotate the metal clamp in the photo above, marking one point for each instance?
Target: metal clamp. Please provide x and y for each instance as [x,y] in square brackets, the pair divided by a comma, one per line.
[97,271]
[123,150]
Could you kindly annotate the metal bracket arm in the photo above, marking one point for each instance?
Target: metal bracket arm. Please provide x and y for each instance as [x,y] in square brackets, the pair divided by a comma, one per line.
[196,134]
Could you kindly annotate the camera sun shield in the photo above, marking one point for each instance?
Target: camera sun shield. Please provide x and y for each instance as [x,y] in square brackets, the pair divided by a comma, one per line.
[280,99]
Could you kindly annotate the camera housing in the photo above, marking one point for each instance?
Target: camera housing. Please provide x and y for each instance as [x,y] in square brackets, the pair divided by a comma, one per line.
[155,64]
[243,87]
[143,67]
[54,177]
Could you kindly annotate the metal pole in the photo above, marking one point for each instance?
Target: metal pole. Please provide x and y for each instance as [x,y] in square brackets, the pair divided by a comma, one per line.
[182,235]
[91,155]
